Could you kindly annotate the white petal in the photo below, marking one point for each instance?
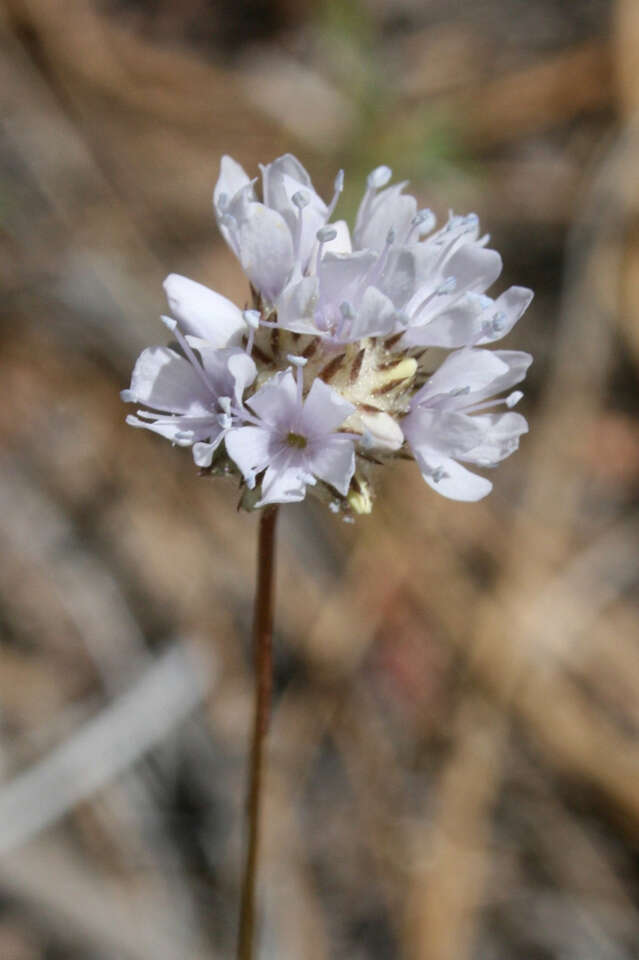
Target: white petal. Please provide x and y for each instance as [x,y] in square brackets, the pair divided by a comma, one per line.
[324,410]
[342,242]
[249,448]
[296,305]
[390,209]
[457,483]
[282,486]
[380,430]
[166,381]
[282,179]
[474,267]
[501,433]
[451,434]
[272,174]
[204,313]
[277,401]
[341,275]
[400,275]
[446,476]
[167,430]
[375,315]
[473,369]
[516,363]
[505,313]
[203,452]
[458,326]
[243,370]
[334,462]
[265,247]
[231,179]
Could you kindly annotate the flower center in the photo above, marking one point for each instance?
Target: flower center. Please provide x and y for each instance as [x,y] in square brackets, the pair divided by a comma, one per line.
[296,440]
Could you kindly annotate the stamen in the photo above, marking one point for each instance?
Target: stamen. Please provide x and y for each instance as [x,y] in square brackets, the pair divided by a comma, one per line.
[181,339]
[252,320]
[127,396]
[379,177]
[301,200]
[422,223]
[299,363]
[376,179]
[510,401]
[439,474]
[338,187]
[324,235]
[296,440]
[376,269]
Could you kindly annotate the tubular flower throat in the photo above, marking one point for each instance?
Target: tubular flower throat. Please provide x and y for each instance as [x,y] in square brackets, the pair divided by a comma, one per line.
[359,347]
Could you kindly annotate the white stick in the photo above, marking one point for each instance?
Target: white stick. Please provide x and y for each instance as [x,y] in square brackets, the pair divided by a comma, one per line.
[103,749]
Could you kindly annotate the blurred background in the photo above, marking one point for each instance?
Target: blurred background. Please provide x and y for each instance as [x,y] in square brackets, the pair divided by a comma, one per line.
[454,761]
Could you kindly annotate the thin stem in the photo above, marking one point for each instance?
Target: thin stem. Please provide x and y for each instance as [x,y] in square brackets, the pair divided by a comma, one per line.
[262,639]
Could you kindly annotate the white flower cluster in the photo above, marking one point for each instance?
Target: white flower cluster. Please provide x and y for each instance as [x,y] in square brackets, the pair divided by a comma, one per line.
[359,347]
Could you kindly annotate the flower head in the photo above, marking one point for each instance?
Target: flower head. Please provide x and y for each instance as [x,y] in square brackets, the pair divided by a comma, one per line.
[341,364]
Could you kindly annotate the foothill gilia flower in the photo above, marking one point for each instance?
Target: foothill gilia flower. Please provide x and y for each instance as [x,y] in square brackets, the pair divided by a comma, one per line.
[359,347]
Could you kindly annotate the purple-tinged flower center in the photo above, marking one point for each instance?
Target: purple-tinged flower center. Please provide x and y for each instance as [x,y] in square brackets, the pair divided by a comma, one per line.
[296,440]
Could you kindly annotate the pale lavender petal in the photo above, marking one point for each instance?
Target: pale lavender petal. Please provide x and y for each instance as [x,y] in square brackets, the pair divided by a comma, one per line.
[501,433]
[468,370]
[375,315]
[473,267]
[400,276]
[204,313]
[167,428]
[231,179]
[341,244]
[448,477]
[265,247]
[505,312]
[164,380]
[389,210]
[282,486]
[516,363]
[249,448]
[203,452]
[243,371]
[277,402]
[324,410]
[452,434]
[282,180]
[296,305]
[334,462]
[340,276]
[455,482]
[272,174]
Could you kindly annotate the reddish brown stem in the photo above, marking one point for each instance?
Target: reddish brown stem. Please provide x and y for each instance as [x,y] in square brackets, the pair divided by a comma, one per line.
[262,639]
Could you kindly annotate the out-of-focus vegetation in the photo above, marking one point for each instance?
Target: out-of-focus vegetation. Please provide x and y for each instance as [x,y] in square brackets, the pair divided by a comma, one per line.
[454,762]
